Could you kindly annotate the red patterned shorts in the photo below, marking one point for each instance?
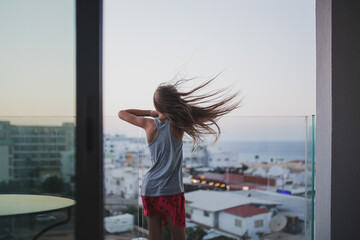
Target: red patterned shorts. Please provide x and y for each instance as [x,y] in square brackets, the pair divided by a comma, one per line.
[170,205]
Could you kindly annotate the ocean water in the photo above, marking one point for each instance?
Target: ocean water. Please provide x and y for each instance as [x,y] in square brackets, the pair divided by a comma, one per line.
[265,150]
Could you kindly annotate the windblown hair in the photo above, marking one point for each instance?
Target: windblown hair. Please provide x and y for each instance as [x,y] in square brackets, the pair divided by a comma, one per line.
[185,109]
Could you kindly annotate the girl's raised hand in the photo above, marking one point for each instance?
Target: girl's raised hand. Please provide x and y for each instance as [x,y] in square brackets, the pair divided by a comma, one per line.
[154,113]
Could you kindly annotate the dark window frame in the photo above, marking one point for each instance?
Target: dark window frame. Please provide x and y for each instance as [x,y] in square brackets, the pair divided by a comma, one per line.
[89,133]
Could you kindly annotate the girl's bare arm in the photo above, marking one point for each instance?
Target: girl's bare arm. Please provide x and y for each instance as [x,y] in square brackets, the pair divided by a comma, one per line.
[136,116]
[138,112]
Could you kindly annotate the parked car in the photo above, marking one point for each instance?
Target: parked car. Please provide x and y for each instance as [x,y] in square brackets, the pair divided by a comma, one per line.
[119,223]
[45,218]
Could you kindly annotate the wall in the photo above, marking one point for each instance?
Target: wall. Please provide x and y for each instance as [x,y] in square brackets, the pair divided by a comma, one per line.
[337,119]
[198,216]
[345,119]
[227,223]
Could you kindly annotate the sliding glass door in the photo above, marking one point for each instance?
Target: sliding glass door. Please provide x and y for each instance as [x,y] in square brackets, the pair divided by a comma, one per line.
[50,120]
[37,118]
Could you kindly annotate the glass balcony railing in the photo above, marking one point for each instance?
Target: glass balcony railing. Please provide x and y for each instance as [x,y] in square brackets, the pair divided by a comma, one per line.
[256,182]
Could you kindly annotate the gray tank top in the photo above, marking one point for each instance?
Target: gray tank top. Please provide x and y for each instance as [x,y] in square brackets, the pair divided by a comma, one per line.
[165,174]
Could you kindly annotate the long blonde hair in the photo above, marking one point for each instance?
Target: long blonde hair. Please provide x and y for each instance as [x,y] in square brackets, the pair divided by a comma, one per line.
[184,110]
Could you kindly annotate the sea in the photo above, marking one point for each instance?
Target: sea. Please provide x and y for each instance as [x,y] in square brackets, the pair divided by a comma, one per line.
[265,151]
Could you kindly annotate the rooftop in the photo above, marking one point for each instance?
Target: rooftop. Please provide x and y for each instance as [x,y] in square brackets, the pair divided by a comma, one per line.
[245,211]
[291,205]
[218,200]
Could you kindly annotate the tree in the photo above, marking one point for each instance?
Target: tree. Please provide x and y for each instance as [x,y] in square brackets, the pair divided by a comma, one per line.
[218,170]
[196,233]
[193,172]
[53,184]
[137,212]
[19,187]
[244,167]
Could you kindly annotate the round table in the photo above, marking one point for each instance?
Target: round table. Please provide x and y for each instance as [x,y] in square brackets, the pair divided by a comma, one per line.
[25,204]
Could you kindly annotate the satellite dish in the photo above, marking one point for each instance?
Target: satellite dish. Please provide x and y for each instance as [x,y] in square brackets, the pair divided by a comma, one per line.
[260,172]
[277,223]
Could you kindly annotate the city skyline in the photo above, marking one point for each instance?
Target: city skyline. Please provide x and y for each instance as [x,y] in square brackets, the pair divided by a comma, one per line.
[232,128]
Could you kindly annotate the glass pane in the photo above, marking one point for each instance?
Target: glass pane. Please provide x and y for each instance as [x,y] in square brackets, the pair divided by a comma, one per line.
[310,176]
[261,166]
[37,158]
[37,123]
[125,160]
[256,181]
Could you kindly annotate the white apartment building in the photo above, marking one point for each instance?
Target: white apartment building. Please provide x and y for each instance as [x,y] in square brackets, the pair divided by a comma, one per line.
[245,220]
[209,208]
[126,151]
[122,181]
[37,152]
[222,159]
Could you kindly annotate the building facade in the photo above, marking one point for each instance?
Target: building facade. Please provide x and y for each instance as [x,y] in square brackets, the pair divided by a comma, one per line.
[37,152]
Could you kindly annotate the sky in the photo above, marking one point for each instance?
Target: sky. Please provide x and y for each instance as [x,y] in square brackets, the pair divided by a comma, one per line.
[264,48]
[37,60]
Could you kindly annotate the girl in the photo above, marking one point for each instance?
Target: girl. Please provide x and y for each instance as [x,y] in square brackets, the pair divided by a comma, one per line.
[177,112]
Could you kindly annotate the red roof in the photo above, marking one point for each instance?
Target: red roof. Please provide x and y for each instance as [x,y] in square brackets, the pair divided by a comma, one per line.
[234,177]
[245,211]
[297,161]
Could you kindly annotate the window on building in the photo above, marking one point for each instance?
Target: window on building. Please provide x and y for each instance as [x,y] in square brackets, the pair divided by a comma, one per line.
[259,223]
[238,223]
[206,213]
